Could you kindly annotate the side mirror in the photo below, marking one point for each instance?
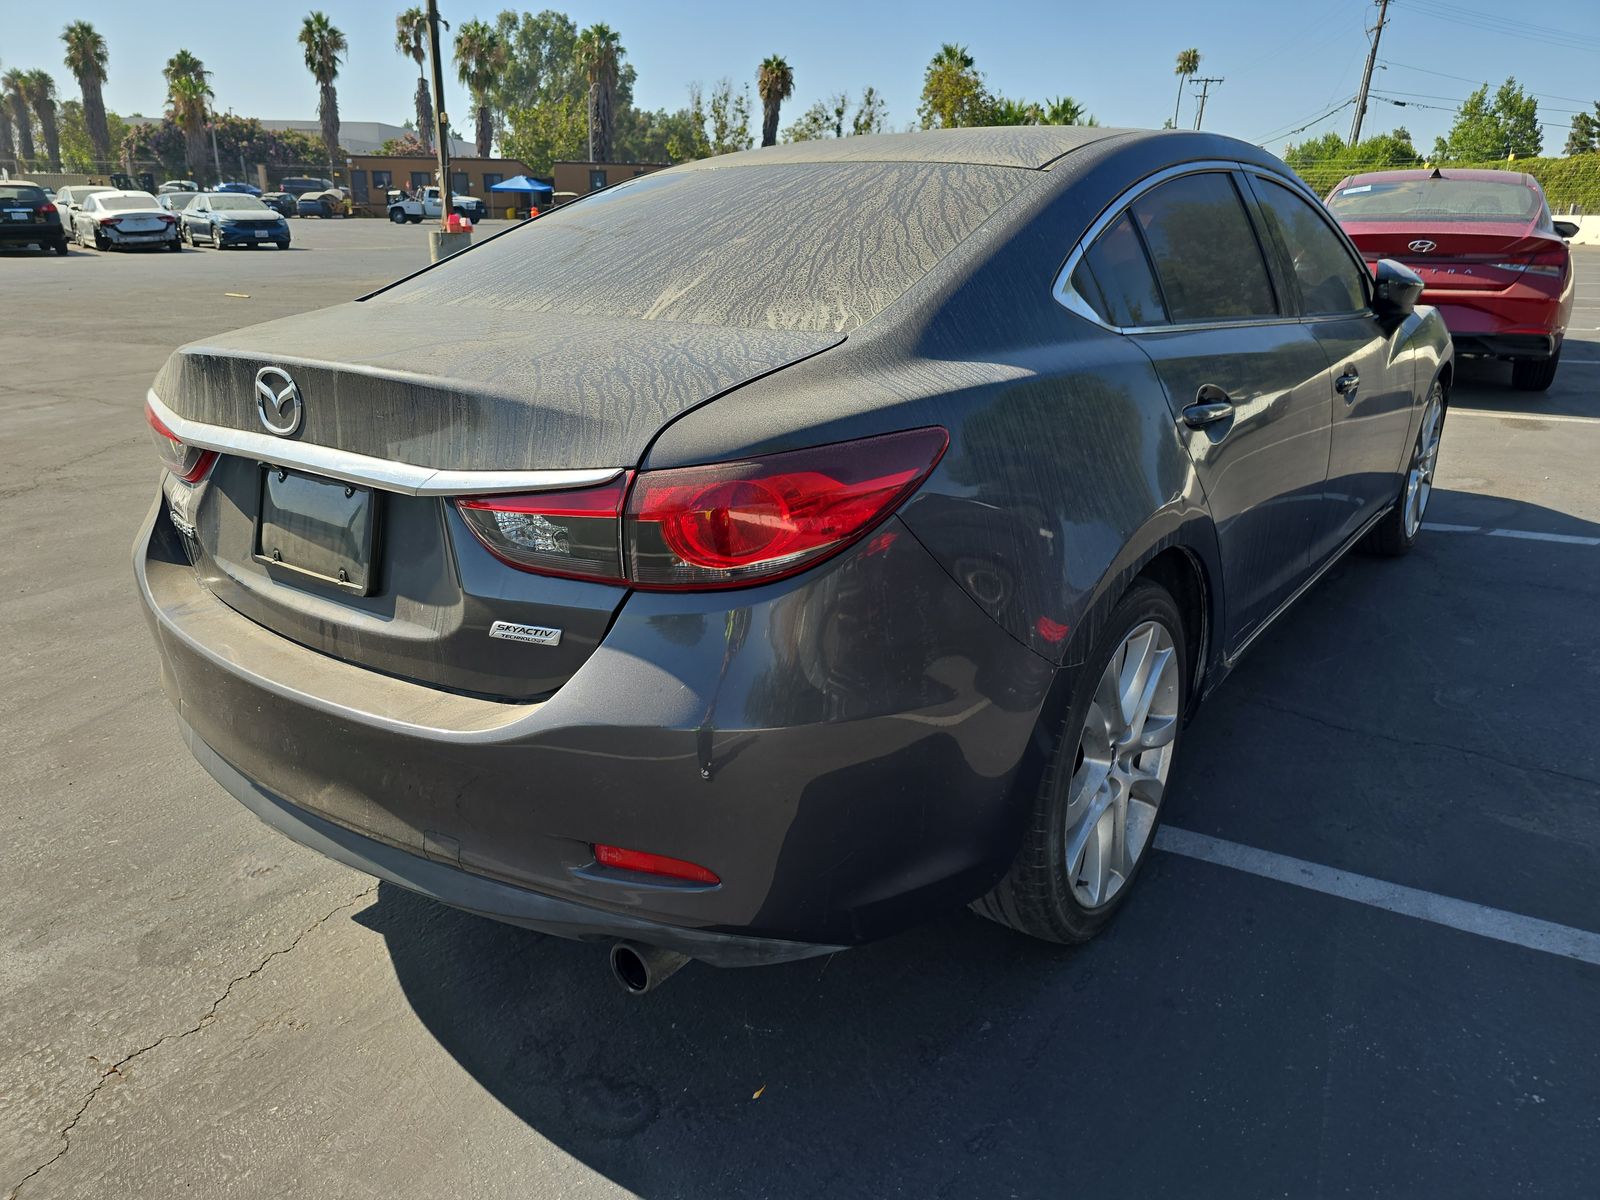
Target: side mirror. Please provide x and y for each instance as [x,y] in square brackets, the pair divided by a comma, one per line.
[1567,229]
[1395,291]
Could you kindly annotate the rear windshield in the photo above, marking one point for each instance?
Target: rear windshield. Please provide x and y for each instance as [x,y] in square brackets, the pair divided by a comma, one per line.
[11,193]
[248,203]
[818,247]
[123,203]
[1458,199]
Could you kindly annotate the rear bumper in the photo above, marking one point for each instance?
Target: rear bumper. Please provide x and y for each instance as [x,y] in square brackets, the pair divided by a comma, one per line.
[481,895]
[31,235]
[159,237]
[1507,345]
[840,748]
[1520,322]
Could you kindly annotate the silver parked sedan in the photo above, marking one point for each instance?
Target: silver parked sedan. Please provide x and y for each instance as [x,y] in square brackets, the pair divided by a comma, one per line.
[122,219]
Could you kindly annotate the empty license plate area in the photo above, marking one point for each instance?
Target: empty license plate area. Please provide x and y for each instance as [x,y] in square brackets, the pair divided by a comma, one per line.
[317,527]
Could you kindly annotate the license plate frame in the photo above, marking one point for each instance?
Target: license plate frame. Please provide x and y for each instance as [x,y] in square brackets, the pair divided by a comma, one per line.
[317,528]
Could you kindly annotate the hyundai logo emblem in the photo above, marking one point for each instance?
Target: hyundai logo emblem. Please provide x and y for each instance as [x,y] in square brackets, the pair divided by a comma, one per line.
[278,402]
[1422,246]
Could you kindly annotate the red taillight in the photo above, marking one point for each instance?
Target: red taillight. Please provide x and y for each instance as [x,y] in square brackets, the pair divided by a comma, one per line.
[576,534]
[716,526]
[47,207]
[652,864]
[188,463]
[724,525]
[1552,264]
[109,220]
[168,219]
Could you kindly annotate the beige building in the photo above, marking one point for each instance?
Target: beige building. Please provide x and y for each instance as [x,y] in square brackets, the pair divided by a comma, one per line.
[372,175]
[581,178]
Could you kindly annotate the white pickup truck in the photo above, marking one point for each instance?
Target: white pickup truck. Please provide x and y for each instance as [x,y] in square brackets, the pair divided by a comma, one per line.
[403,207]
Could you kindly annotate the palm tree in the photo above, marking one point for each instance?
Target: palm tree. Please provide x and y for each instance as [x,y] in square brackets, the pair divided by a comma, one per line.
[775,84]
[324,44]
[8,147]
[87,59]
[411,39]
[188,94]
[953,55]
[41,91]
[1064,110]
[599,54]
[14,84]
[480,56]
[1188,65]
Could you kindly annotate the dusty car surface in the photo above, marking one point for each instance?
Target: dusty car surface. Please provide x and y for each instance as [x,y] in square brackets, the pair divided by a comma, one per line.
[754,558]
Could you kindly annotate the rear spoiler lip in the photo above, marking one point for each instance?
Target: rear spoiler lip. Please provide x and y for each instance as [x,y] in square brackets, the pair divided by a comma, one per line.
[409,479]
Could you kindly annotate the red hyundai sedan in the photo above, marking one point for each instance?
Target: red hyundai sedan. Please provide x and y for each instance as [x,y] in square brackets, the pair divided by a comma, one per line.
[1490,257]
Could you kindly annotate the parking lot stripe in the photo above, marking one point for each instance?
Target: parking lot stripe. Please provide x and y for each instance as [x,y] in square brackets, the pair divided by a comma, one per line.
[1511,416]
[1528,932]
[1527,535]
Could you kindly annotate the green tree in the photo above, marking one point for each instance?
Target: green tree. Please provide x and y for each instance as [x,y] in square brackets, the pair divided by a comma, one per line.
[1187,67]
[953,93]
[1485,129]
[774,84]
[41,92]
[872,114]
[730,118]
[87,59]
[480,56]
[324,47]
[1064,110]
[188,95]
[1005,111]
[15,85]
[411,40]
[8,146]
[599,56]
[77,147]
[1584,136]
[546,133]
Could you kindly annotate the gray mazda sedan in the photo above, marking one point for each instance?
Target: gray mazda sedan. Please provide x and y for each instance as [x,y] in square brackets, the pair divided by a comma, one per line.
[752,559]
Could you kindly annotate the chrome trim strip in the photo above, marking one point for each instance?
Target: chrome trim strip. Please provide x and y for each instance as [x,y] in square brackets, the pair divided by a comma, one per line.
[1350,544]
[382,473]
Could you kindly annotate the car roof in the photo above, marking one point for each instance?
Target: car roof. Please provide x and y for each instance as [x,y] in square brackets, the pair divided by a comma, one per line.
[134,192]
[1465,174]
[1035,147]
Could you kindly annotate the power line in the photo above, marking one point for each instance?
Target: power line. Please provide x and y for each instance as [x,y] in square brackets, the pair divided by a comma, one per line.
[1501,26]
[1205,89]
[1283,133]
[1389,62]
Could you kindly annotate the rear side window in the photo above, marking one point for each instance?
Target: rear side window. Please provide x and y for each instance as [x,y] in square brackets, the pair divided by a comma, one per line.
[1114,279]
[1330,283]
[1204,250]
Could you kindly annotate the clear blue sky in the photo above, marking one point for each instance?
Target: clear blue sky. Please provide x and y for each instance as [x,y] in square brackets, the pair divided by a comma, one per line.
[1285,62]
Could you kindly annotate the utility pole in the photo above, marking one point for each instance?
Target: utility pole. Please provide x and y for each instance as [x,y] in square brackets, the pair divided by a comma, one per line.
[216,159]
[441,118]
[1366,76]
[1205,87]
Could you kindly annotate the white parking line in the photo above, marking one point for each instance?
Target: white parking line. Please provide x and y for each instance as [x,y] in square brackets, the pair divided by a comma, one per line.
[1526,535]
[1528,932]
[1517,416]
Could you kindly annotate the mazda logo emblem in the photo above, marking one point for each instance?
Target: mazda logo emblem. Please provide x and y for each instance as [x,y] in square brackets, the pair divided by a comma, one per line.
[1421,246]
[278,402]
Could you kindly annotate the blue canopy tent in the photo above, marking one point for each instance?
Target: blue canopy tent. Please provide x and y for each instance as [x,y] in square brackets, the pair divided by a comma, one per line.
[532,193]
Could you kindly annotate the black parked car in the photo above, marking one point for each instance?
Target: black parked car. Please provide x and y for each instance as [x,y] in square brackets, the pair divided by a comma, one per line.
[803,541]
[28,217]
[282,203]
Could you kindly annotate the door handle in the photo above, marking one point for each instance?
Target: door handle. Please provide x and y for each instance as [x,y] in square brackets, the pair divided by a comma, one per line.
[1202,413]
[1211,404]
[1347,384]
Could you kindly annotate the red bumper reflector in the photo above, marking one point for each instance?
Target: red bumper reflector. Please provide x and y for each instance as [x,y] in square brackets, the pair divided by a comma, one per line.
[651,864]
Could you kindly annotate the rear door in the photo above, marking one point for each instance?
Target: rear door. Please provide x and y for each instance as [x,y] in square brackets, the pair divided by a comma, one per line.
[1182,271]
[1369,385]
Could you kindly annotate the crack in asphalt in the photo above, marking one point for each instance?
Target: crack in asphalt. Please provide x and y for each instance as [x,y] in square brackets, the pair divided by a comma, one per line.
[1261,701]
[206,1018]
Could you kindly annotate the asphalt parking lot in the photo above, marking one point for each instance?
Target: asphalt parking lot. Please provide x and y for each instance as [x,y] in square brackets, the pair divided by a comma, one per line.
[1367,961]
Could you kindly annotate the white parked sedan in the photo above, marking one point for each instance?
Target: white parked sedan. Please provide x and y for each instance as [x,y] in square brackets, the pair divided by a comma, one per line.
[108,219]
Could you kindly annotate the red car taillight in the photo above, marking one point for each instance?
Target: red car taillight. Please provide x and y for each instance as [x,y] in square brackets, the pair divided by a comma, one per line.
[723,525]
[47,207]
[1552,264]
[646,863]
[187,463]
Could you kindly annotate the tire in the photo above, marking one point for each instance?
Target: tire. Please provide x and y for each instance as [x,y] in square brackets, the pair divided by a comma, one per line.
[175,245]
[1534,374]
[281,245]
[101,243]
[415,220]
[1057,894]
[1394,536]
[397,215]
[60,247]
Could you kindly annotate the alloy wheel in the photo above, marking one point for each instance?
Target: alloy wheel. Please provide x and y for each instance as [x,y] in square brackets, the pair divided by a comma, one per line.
[1419,483]
[1124,755]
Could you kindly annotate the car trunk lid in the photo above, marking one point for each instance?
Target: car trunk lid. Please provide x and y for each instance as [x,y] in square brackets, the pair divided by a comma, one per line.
[474,391]
[1455,256]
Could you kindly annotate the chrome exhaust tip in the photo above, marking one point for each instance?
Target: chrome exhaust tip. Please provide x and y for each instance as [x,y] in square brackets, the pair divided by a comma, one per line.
[640,969]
